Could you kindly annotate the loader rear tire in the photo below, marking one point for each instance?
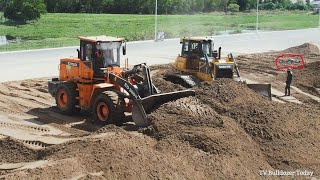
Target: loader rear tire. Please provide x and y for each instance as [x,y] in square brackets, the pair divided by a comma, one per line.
[66,98]
[109,108]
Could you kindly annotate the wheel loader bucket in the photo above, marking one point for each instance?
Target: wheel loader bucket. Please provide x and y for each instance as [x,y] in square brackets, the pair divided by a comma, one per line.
[262,89]
[146,105]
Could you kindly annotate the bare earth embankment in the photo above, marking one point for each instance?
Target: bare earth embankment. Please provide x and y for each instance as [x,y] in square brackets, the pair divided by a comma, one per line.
[226,131]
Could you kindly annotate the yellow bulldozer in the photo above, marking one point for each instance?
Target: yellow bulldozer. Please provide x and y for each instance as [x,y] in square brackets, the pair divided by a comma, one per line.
[199,61]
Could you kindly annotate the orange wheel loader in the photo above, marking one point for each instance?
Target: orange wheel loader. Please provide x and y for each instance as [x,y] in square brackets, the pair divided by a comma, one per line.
[95,82]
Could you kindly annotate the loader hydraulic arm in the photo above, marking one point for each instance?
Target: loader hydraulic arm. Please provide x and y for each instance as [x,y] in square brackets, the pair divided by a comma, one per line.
[148,88]
[152,100]
[139,115]
[125,85]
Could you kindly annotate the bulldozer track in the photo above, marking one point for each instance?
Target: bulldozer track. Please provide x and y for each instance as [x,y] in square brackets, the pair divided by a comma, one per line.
[25,127]
[30,143]
[35,144]
[66,123]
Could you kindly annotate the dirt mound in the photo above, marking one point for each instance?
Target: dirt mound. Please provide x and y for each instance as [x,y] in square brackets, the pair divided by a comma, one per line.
[12,151]
[304,49]
[270,124]
[165,86]
[308,78]
[134,156]
[226,131]
[19,97]
[261,67]
[273,126]
[182,115]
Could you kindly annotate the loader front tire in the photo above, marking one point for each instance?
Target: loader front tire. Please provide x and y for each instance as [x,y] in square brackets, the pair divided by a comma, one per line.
[66,98]
[108,108]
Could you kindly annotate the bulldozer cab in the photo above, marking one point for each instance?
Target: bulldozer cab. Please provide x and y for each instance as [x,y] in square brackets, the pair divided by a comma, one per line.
[101,51]
[195,51]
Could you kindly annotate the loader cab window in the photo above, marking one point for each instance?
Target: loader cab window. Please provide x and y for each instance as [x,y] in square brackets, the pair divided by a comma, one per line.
[88,52]
[109,53]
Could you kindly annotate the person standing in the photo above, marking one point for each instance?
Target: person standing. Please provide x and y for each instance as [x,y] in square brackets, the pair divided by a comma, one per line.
[288,82]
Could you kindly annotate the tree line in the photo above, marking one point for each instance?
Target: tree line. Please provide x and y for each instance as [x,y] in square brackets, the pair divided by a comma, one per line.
[24,10]
[135,6]
[147,6]
[164,6]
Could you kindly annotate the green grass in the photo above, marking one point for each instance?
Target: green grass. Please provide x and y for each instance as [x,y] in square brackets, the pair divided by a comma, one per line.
[58,30]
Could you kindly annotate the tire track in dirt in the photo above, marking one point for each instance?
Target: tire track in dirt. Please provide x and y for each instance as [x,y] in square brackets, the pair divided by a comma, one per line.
[25,127]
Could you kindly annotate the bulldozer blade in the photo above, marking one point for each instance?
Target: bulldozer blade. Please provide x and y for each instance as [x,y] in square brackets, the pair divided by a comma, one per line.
[146,105]
[262,89]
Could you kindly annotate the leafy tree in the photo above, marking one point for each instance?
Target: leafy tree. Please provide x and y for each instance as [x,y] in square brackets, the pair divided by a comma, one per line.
[285,3]
[300,6]
[24,10]
[233,8]
[268,6]
[3,4]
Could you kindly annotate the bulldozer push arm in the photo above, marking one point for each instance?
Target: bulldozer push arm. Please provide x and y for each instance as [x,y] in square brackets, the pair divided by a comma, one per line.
[262,89]
[142,106]
[235,66]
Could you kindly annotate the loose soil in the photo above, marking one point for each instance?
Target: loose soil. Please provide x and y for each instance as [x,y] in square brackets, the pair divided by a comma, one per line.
[261,67]
[226,131]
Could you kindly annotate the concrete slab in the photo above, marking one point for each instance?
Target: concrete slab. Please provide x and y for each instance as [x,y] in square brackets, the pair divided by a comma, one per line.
[276,94]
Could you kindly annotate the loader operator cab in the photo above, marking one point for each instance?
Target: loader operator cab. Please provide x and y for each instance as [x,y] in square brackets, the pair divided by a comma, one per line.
[101,52]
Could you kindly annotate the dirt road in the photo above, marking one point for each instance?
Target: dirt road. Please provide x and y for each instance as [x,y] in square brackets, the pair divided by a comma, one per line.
[226,132]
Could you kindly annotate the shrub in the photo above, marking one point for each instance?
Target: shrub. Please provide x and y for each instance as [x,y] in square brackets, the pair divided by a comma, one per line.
[24,10]
[233,8]
[298,6]
[268,6]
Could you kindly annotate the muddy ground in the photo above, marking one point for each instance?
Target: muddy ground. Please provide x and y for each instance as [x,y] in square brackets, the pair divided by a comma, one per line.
[226,131]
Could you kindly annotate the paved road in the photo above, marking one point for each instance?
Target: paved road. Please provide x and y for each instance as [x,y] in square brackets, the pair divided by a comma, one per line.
[44,63]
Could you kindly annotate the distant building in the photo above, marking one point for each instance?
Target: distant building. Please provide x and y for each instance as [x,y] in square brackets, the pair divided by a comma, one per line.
[316,6]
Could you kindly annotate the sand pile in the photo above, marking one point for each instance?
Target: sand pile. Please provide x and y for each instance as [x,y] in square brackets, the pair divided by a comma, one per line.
[281,130]
[18,97]
[304,49]
[308,79]
[226,131]
[12,151]
[132,156]
[263,65]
